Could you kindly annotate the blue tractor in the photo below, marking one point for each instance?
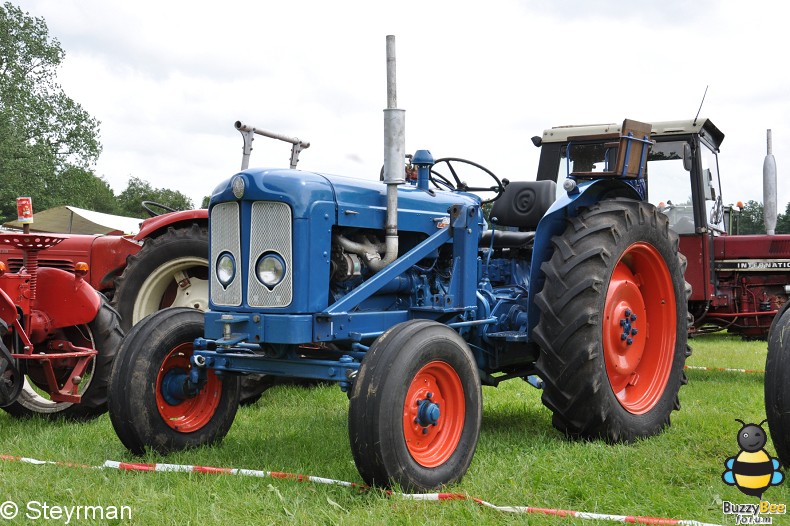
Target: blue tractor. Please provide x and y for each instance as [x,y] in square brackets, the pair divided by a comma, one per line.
[410,297]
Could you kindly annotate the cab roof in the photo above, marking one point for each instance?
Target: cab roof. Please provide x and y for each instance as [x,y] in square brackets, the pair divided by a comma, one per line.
[701,125]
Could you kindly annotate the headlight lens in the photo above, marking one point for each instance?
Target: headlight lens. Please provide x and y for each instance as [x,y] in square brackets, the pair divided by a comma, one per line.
[238,186]
[226,268]
[270,269]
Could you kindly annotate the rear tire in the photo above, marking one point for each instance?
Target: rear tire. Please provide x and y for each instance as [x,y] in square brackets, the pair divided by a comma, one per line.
[613,323]
[158,347]
[415,409]
[103,334]
[152,279]
[777,385]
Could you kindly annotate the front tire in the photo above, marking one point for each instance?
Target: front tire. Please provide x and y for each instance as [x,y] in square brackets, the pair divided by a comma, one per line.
[613,323]
[171,270]
[415,409]
[777,385]
[103,334]
[142,411]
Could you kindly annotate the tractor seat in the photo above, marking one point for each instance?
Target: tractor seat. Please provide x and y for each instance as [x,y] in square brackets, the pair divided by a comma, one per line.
[522,205]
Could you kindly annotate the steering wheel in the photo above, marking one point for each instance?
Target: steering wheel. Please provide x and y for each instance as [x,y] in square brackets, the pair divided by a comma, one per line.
[147,205]
[439,179]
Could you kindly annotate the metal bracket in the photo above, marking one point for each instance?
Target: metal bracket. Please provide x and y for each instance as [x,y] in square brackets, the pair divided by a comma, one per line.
[247,133]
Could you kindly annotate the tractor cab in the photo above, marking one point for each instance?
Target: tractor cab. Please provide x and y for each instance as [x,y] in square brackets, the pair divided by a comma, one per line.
[681,175]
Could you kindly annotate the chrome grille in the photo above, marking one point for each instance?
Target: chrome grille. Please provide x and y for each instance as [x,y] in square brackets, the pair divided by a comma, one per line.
[225,237]
[270,231]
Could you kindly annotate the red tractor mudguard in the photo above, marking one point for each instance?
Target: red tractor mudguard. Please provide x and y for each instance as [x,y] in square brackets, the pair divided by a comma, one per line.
[151,225]
[65,299]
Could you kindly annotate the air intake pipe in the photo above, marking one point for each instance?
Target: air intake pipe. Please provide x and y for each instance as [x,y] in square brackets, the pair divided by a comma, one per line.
[394,153]
[769,189]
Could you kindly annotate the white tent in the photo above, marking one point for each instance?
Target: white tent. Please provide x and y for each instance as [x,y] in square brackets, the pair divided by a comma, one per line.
[73,220]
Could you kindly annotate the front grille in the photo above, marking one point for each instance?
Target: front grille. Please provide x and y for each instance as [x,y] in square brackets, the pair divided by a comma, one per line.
[270,231]
[225,237]
[14,264]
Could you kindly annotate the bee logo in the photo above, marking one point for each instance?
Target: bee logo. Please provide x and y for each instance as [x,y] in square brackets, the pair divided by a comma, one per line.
[752,470]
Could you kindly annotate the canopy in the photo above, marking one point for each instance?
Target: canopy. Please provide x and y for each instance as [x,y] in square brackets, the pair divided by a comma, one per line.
[73,220]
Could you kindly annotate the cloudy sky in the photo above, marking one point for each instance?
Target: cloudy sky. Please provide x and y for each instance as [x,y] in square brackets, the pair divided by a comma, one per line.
[167,79]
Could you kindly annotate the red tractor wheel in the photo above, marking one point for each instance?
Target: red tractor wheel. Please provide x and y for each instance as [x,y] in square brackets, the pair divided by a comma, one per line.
[435,386]
[613,323]
[192,414]
[149,407]
[170,270]
[415,409]
[637,366]
[103,334]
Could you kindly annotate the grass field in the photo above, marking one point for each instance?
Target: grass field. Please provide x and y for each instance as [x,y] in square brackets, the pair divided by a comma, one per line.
[521,460]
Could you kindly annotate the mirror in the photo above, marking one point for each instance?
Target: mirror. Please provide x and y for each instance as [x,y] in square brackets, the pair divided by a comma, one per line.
[687,157]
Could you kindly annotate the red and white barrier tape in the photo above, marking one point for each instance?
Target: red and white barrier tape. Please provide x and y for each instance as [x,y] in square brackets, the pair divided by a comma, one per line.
[723,369]
[433,497]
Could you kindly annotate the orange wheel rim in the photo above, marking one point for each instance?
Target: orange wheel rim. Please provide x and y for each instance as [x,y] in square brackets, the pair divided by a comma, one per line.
[194,413]
[639,328]
[433,414]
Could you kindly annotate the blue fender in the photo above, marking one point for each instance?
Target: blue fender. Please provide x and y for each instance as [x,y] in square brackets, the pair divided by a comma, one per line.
[553,224]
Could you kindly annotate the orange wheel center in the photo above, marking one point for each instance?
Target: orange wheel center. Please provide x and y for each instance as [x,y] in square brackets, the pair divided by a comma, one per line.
[625,313]
[193,413]
[639,328]
[433,414]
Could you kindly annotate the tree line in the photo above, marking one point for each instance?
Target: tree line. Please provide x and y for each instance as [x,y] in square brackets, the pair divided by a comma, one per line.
[750,219]
[49,144]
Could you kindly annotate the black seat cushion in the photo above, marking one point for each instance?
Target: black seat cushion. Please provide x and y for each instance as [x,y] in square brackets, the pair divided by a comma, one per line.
[523,204]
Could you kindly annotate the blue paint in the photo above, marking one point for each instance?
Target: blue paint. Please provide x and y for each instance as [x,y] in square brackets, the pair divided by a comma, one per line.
[339,305]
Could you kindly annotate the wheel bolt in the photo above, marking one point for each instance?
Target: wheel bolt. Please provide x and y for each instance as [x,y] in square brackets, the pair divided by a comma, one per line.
[623,336]
[429,395]
[633,332]
[424,430]
[627,312]
[633,317]
[629,341]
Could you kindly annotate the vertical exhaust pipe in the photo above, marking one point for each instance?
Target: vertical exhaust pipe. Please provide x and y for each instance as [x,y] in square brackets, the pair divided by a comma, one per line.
[394,153]
[769,189]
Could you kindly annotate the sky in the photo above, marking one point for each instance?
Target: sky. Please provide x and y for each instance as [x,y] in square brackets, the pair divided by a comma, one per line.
[167,80]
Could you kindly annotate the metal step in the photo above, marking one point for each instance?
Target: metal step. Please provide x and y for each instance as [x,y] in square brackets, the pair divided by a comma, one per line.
[509,336]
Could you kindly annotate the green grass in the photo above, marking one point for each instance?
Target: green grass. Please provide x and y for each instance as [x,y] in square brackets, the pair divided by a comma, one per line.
[520,460]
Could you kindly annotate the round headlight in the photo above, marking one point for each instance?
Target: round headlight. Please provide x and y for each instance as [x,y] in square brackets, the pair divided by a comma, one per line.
[226,268]
[270,269]
[238,186]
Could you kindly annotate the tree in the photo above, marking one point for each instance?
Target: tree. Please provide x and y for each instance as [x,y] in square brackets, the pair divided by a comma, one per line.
[129,201]
[783,221]
[85,191]
[48,142]
[751,219]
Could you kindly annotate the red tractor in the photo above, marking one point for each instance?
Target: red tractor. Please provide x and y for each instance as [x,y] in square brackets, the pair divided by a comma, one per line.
[164,265]
[58,336]
[738,282]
